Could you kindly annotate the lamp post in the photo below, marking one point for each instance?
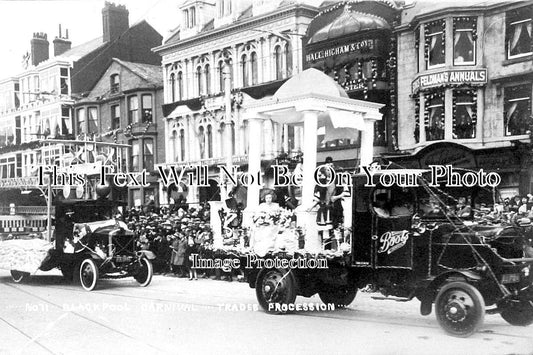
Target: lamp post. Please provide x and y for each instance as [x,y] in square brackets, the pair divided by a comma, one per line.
[227,136]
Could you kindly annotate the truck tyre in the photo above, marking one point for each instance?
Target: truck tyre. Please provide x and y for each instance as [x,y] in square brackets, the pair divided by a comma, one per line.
[518,313]
[276,290]
[460,309]
[88,274]
[19,276]
[144,273]
[341,297]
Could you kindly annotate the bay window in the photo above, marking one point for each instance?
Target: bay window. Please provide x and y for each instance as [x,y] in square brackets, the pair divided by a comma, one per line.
[434,116]
[115,116]
[148,154]
[147,112]
[92,119]
[464,114]
[464,40]
[435,43]
[518,33]
[80,121]
[133,109]
[517,109]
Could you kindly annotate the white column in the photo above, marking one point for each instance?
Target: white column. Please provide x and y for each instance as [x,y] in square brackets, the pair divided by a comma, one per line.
[297,138]
[187,81]
[297,49]
[480,115]
[269,61]
[448,115]
[261,61]
[165,84]
[285,138]
[213,73]
[367,143]
[193,139]
[310,154]
[254,167]
[422,119]
[237,80]
[305,217]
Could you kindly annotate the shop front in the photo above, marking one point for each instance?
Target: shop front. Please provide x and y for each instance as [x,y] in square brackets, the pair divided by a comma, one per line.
[510,163]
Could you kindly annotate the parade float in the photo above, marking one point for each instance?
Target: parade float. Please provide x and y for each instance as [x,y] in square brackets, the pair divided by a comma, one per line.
[82,237]
[403,240]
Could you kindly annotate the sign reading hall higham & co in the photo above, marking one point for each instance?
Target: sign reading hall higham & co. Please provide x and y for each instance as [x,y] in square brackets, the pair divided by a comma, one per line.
[448,78]
[361,46]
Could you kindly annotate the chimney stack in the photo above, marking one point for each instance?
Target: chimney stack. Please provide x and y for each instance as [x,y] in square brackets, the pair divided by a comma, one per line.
[61,44]
[115,21]
[39,48]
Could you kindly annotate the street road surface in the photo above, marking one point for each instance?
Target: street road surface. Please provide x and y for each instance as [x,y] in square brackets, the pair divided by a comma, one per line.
[176,316]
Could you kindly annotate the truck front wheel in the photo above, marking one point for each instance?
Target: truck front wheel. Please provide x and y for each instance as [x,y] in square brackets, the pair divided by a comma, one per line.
[276,290]
[460,309]
[340,296]
[518,313]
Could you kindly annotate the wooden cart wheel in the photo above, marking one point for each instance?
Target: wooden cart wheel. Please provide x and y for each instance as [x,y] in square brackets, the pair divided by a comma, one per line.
[19,276]
[88,274]
[276,290]
[460,309]
[145,273]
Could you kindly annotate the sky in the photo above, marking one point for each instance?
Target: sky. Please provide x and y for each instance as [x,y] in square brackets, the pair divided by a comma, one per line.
[19,19]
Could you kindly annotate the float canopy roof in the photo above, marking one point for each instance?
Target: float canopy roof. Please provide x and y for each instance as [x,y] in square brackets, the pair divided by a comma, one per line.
[349,22]
[310,81]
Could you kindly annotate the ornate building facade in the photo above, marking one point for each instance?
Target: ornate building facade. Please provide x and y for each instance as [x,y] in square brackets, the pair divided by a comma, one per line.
[465,74]
[226,54]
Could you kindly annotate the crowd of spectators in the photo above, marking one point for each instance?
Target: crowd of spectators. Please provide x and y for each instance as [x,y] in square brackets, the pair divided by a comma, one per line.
[173,234]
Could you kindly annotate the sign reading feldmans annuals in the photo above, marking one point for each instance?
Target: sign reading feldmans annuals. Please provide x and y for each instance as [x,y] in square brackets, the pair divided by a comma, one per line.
[450,77]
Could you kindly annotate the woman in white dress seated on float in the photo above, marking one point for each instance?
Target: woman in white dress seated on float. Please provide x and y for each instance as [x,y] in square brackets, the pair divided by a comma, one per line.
[265,231]
[268,206]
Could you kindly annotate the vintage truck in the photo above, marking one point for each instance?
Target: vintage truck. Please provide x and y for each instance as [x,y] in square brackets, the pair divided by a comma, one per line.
[411,240]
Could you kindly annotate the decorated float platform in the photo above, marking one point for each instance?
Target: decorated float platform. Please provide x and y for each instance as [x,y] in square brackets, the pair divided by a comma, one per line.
[25,254]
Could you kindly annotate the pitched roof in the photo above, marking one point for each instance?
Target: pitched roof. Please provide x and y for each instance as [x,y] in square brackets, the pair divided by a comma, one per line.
[78,52]
[153,74]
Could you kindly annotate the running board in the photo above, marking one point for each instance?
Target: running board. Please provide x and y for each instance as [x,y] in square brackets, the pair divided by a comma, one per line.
[397,299]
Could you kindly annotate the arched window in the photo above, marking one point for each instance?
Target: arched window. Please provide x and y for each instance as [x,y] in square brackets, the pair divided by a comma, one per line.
[209,141]
[172,84]
[175,142]
[199,81]
[288,60]
[253,63]
[221,76]
[245,77]
[230,64]
[278,58]
[182,144]
[180,86]
[201,141]
[207,79]
[192,15]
